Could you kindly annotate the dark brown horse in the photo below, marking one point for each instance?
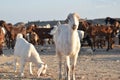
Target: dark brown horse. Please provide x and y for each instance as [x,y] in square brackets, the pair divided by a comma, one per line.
[43,33]
[84,25]
[114,22]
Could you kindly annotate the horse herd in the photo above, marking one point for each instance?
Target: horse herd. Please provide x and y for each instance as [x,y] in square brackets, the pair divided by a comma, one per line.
[31,33]
[94,34]
[97,34]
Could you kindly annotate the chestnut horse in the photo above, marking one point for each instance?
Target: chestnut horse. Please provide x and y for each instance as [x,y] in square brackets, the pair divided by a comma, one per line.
[2,38]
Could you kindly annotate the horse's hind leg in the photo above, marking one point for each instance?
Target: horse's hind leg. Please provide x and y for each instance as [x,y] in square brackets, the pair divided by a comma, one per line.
[15,64]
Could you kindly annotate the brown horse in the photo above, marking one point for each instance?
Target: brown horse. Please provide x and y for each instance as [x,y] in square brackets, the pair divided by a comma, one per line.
[107,32]
[2,38]
[84,25]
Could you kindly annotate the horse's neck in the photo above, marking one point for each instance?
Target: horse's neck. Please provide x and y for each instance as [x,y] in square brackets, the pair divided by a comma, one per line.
[4,30]
[21,28]
[73,35]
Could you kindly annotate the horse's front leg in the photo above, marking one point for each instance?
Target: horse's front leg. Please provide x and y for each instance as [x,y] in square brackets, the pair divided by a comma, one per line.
[74,65]
[108,47]
[68,67]
[94,44]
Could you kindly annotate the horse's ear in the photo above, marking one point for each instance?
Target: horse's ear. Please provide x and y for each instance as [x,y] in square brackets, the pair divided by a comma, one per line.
[2,23]
[78,17]
[66,21]
[58,23]
[33,28]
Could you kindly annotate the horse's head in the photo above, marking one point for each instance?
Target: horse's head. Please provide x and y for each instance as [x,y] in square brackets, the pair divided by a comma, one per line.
[19,35]
[107,20]
[2,23]
[30,28]
[83,25]
[73,20]
[42,69]
[117,24]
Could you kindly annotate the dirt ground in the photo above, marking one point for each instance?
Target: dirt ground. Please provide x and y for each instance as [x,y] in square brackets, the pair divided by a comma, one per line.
[101,65]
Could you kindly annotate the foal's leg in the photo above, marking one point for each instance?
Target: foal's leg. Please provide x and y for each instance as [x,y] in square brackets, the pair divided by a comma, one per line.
[60,66]
[73,66]
[68,67]
[30,64]
[22,65]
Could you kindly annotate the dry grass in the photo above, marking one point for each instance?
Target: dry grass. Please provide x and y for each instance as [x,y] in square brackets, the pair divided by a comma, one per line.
[101,65]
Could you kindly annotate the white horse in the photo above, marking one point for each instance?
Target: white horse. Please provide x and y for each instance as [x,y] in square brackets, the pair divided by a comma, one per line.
[27,53]
[67,43]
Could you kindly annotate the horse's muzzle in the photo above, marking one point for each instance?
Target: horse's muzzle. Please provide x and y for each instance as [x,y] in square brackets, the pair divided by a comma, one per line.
[74,27]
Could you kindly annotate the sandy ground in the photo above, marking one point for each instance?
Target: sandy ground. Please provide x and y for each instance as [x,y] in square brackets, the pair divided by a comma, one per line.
[101,65]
